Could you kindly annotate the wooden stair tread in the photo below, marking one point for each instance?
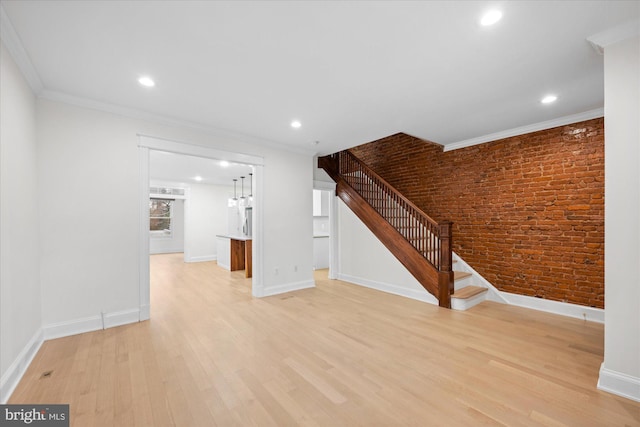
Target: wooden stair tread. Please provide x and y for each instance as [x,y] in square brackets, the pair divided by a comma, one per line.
[468,292]
[457,275]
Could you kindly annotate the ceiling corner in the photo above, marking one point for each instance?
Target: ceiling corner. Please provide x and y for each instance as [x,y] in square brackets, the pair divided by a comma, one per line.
[614,35]
[19,54]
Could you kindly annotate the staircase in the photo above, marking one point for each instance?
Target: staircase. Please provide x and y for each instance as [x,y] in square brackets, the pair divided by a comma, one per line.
[421,244]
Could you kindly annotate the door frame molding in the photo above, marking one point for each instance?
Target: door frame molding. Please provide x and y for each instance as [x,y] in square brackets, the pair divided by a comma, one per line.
[147,143]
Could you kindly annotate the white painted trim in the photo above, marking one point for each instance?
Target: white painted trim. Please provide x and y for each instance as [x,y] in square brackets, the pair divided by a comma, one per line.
[171,146]
[333,225]
[119,318]
[225,266]
[334,242]
[15,47]
[92,323]
[463,304]
[146,143]
[72,327]
[144,292]
[167,251]
[257,244]
[288,287]
[324,185]
[144,313]
[186,254]
[202,258]
[618,383]
[560,121]
[18,367]
[168,121]
[493,294]
[556,307]
[614,35]
[419,295]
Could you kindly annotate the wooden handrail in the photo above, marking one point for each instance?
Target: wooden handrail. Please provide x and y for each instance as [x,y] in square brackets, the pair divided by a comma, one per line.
[371,172]
[424,233]
[427,248]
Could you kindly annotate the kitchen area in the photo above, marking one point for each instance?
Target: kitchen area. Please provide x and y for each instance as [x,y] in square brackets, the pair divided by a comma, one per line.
[321,229]
[234,248]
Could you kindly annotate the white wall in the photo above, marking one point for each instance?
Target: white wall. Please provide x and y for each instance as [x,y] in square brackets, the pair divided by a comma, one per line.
[364,260]
[20,295]
[206,217]
[288,239]
[620,371]
[320,174]
[86,268]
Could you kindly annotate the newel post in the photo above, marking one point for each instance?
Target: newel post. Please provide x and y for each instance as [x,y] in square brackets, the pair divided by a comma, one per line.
[445,275]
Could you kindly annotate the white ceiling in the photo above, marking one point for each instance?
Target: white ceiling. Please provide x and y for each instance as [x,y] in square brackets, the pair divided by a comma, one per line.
[182,169]
[350,71]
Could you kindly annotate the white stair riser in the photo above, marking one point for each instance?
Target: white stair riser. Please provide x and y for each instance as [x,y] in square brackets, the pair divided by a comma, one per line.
[465,304]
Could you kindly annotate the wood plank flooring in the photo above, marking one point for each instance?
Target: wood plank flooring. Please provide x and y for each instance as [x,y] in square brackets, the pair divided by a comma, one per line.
[336,355]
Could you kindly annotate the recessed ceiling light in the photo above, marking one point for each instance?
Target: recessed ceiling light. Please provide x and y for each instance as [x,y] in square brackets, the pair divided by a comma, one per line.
[224,163]
[491,17]
[548,99]
[296,124]
[197,178]
[146,81]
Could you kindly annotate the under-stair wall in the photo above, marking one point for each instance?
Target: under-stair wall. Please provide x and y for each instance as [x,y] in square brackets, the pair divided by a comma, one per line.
[528,211]
[422,245]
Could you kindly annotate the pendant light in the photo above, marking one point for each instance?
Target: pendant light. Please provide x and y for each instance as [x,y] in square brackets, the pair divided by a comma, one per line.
[234,202]
[242,196]
[251,185]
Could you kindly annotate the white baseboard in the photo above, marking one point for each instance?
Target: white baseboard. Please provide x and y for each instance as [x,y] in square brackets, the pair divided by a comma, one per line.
[166,251]
[287,287]
[119,318]
[492,294]
[201,258]
[416,294]
[72,327]
[14,373]
[463,304]
[145,312]
[563,308]
[90,324]
[16,370]
[618,383]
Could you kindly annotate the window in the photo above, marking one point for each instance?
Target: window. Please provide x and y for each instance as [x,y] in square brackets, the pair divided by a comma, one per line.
[160,211]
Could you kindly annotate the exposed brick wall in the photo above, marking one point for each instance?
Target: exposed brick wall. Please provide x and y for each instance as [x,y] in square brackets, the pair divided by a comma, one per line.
[528,211]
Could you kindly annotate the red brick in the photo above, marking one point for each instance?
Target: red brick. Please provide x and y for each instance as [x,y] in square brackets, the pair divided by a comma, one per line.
[528,211]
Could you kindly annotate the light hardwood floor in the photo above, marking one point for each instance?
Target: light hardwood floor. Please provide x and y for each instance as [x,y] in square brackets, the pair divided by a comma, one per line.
[336,355]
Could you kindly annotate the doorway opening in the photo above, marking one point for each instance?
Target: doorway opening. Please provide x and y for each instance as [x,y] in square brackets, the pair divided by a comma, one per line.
[325,228]
[196,245]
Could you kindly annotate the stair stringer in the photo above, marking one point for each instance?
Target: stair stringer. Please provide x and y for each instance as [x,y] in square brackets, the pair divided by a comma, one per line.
[426,275]
[476,279]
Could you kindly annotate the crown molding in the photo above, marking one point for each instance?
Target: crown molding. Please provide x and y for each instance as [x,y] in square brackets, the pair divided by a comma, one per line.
[614,35]
[560,121]
[14,45]
[167,121]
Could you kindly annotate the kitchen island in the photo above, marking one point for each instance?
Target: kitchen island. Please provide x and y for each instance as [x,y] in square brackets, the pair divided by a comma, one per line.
[234,253]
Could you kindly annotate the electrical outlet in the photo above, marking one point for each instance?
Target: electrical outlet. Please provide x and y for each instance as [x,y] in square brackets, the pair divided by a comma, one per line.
[295,268]
[275,270]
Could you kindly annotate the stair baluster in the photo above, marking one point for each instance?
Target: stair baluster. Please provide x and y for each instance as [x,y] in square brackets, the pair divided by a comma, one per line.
[419,242]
